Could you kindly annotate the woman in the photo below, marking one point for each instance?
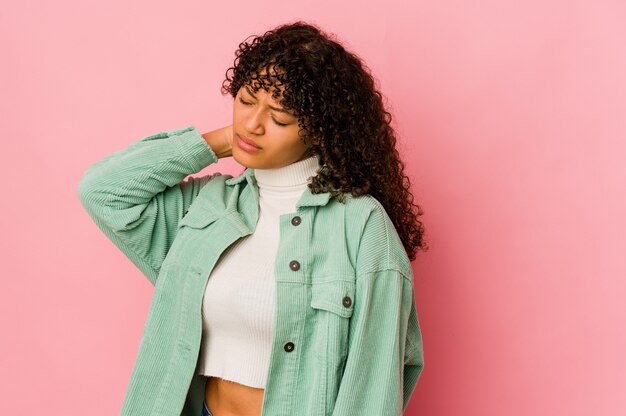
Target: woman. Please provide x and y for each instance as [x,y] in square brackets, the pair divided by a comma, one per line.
[309,308]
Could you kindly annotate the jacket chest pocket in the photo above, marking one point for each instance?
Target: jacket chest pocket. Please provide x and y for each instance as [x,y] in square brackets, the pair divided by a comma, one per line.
[191,229]
[336,296]
[333,304]
[197,218]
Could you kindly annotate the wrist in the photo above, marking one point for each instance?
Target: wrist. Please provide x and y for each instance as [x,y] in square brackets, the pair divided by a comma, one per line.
[218,142]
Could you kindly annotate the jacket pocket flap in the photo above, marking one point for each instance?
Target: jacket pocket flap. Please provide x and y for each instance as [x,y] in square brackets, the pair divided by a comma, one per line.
[336,296]
[197,218]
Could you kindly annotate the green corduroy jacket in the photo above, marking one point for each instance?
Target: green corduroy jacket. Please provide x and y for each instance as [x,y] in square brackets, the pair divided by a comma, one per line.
[346,338]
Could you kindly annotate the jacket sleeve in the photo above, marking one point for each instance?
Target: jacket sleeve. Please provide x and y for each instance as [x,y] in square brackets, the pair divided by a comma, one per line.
[137,196]
[385,355]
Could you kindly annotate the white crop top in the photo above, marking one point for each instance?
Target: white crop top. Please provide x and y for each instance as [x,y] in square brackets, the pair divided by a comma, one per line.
[239,299]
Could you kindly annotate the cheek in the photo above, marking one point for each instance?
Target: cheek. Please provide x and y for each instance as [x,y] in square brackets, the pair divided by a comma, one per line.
[237,114]
[296,145]
[296,152]
[285,149]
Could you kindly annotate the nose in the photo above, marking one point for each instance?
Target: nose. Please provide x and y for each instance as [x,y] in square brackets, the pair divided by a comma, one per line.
[254,122]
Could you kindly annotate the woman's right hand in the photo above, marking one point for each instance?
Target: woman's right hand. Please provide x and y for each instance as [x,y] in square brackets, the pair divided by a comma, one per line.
[220,141]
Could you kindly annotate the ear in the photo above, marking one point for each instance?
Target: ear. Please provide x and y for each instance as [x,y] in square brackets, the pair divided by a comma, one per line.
[310,140]
[306,139]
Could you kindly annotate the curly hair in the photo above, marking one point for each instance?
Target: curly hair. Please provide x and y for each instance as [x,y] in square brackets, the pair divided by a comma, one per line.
[333,95]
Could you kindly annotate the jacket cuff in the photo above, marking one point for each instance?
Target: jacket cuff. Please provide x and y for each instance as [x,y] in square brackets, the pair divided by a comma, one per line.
[190,145]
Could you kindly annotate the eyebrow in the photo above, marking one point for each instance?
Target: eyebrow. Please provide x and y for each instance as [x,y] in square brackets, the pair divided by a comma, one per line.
[280,110]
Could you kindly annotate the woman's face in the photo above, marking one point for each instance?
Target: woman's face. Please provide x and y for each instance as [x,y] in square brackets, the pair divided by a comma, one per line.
[264,134]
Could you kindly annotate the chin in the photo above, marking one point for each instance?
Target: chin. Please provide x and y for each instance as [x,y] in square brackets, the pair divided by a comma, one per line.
[243,161]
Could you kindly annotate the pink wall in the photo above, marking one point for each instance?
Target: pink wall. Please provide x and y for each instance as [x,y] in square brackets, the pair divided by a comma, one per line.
[512,116]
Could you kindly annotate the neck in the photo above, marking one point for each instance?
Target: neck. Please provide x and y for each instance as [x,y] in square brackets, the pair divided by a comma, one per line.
[295,175]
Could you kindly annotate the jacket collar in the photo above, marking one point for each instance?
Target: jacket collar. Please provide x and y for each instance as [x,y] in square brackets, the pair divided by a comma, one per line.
[307,199]
[238,179]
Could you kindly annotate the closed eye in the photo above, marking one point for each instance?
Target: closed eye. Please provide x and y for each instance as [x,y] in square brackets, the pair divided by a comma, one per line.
[275,121]
[244,102]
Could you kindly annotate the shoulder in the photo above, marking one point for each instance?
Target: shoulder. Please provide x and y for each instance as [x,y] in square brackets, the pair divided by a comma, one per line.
[217,188]
[378,244]
[219,181]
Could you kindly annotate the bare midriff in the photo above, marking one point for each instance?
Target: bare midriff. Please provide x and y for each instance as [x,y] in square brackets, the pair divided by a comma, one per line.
[228,398]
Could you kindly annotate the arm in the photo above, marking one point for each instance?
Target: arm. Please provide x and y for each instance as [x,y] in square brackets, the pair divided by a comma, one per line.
[385,354]
[137,196]
[413,354]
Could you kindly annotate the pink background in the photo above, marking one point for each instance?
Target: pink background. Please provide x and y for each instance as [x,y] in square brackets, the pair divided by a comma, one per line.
[512,117]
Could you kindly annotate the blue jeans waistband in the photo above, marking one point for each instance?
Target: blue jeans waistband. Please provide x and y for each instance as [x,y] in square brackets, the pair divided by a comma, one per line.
[205,409]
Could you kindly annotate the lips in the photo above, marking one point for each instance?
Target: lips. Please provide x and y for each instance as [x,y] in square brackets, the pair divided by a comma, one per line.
[248,141]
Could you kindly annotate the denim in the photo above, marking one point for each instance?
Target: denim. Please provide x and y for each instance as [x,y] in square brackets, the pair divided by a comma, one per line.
[205,410]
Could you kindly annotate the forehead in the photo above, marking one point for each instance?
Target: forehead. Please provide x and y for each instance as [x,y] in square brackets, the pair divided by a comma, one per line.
[255,89]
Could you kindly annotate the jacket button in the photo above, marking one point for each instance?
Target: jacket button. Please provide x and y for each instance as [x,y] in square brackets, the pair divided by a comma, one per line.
[294,265]
[347,301]
[296,220]
[289,346]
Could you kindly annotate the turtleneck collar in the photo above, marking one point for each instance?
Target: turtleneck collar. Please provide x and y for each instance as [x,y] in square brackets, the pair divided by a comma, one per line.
[287,181]
[295,175]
